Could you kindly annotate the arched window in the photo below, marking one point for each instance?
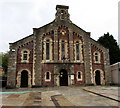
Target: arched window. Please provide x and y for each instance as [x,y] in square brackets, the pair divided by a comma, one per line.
[77,51]
[47,52]
[25,55]
[47,49]
[97,57]
[47,76]
[62,50]
[79,75]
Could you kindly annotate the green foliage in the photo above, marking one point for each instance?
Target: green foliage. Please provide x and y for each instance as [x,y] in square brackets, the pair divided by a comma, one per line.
[0,59]
[109,42]
[5,61]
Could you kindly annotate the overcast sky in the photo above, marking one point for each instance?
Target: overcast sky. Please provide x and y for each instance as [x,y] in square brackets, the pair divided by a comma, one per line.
[18,17]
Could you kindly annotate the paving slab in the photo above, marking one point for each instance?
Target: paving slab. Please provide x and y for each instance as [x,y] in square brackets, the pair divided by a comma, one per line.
[78,97]
[59,97]
[46,98]
[107,91]
[62,101]
[13,100]
[34,99]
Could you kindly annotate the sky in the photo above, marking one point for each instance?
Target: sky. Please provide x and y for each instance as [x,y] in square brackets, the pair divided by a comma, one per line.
[19,17]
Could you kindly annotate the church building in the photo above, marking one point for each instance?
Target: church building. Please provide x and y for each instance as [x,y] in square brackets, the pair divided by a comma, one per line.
[58,54]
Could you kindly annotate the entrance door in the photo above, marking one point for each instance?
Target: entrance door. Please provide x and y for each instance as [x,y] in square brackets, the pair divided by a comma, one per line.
[24,79]
[97,77]
[63,78]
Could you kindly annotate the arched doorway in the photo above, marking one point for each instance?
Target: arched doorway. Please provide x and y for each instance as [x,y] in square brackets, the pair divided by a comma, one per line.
[97,77]
[24,79]
[63,78]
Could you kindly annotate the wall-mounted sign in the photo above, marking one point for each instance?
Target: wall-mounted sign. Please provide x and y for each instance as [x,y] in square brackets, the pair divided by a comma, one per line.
[72,76]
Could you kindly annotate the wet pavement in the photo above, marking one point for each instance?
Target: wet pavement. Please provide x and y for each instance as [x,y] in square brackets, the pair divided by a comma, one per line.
[108,92]
[73,96]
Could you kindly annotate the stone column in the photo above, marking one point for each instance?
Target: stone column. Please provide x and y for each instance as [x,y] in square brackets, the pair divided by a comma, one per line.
[37,57]
[87,54]
[71,44]
[55,45]
[107,67]
[56,74]
[11,74]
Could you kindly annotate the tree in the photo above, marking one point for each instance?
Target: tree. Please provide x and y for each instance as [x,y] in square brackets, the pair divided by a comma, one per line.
[5,61]
[109,42]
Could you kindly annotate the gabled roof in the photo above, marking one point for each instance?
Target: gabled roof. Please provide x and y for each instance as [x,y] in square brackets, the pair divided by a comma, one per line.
[80,28]
[22,39]
[44,25]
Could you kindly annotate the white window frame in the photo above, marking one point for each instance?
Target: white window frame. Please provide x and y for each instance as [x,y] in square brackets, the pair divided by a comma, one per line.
[79,79]
[49,76]
[99,56]
[80,49]
[44,52]
[66,48]
[28,56]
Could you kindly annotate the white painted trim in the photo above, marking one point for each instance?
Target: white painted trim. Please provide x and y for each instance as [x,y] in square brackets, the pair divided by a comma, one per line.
[49,76]
[44,52]
[66,48]
[28,55]
[99,57]
[79,79]
[80,49]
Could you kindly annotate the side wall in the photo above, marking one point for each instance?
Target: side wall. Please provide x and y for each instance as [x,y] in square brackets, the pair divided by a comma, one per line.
[105,63]
[14,64]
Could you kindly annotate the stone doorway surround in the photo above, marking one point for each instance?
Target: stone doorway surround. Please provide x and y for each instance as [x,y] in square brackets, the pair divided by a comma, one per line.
[63,78]
[102,81]
[97,78]
[19,78]
[24,79]
[70,71]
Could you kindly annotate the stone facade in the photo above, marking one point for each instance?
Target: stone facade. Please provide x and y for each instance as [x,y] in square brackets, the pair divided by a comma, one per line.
[59,53]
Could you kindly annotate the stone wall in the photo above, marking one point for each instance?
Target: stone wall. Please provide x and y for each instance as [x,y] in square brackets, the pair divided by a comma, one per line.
[60,29]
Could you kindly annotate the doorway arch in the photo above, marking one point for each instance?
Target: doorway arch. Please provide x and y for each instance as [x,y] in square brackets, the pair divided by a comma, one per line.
[97,77]
[24,79]
[19,76]
[63,78]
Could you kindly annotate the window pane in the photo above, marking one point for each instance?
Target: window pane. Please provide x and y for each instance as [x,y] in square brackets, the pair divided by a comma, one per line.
[63,46]
[77,51]
[79,75]
[96,58]
[25,56]
[47,75]
[25,52]
[63,50]
[96,54]
[47,50]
